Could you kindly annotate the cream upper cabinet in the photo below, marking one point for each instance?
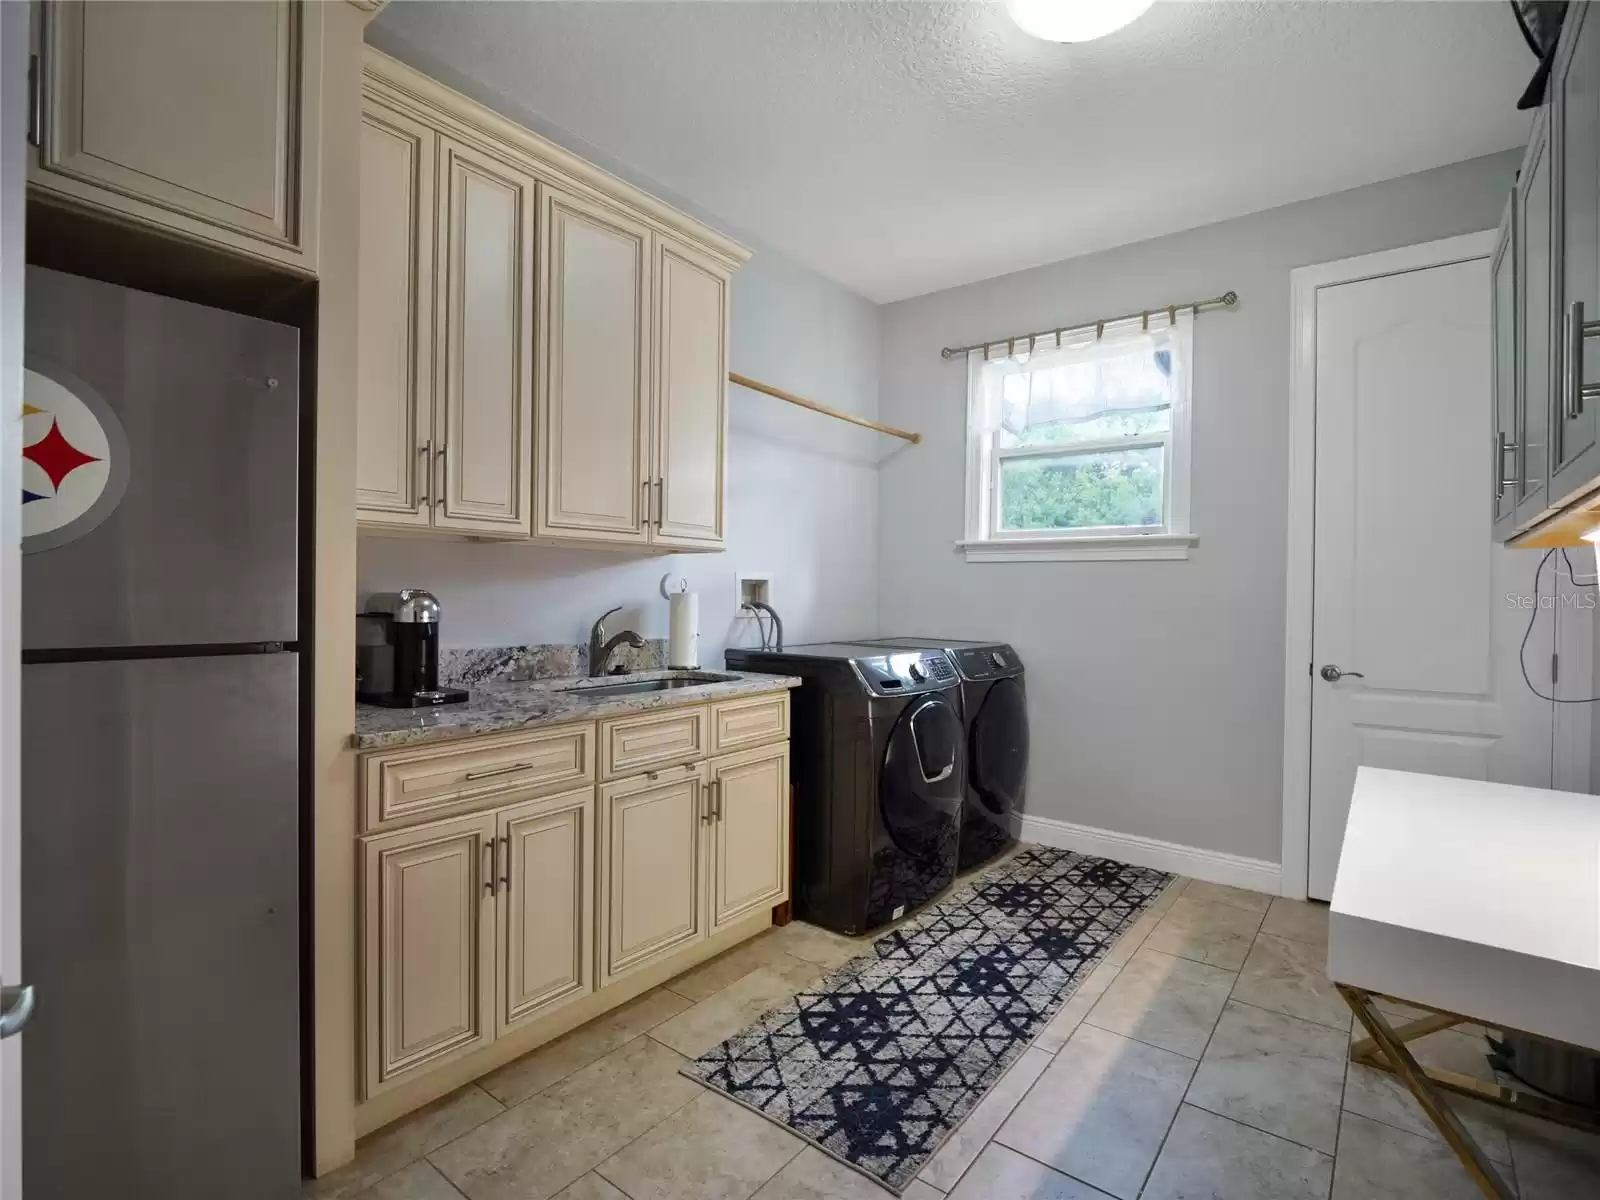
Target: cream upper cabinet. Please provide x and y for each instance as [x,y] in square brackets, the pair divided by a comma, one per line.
[484,314]
[394,383]
[200,119]
[749,832]
[544,349]
[428,925]
[546,867]
[593,426]
[650,881]
[691,386]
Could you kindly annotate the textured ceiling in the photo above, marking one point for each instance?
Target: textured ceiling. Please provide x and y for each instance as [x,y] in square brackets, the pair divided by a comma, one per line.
[905,147]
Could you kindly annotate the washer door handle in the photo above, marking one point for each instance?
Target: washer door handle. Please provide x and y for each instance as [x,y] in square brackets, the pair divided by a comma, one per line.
[922,762]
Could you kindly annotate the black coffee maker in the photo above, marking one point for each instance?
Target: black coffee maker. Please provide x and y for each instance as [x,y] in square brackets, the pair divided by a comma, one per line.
[397,652]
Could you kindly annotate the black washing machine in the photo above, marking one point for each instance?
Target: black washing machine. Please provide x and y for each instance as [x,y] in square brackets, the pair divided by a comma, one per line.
[878,763]
[994,713]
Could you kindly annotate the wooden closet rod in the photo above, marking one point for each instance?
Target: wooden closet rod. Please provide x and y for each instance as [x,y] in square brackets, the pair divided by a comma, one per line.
[778,393]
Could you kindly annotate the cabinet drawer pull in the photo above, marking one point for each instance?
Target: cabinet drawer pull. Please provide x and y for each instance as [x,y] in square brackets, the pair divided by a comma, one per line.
[506,770]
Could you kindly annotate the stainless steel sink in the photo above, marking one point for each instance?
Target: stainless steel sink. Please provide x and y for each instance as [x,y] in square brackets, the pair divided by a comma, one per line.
[633,688]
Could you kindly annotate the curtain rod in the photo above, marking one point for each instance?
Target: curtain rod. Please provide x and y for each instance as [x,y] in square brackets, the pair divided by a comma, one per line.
[767,389]
[1226,300]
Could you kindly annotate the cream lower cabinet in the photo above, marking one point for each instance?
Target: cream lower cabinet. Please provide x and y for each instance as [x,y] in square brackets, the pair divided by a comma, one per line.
[552,890]
[748,834]
[472,926]
[428,919]
[651,902]
[198,119]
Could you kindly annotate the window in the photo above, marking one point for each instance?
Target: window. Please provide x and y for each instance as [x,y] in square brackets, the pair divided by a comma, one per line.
[1081,450]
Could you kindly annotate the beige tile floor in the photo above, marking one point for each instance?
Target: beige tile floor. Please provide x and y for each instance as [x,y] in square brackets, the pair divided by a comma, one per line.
[1204,1058]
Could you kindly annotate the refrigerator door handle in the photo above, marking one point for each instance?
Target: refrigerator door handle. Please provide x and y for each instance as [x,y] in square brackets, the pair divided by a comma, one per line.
[16,1006]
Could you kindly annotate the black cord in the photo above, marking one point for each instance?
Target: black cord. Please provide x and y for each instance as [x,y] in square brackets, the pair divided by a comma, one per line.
[1522,651]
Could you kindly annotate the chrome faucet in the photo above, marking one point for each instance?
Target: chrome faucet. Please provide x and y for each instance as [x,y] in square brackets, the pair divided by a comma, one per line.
[600,651]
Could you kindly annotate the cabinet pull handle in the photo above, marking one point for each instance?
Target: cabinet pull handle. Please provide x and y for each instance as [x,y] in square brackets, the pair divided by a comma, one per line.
[661,500]
[1503,447]
[424,473]
[716,792]
[488,870]
[505,770]
[645,484]
[706,813]
[441,468]
[505,867]
[35,103]
[1572,364]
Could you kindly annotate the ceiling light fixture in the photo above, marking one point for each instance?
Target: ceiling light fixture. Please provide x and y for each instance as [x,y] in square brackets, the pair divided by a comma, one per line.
[1074,20]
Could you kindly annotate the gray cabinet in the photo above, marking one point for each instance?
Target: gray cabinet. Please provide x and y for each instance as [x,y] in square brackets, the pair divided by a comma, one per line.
[1506,375]
[1547,362]
[1575,120]
[1535,300]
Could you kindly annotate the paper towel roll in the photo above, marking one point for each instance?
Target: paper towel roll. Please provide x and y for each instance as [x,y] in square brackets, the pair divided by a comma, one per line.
[683,629]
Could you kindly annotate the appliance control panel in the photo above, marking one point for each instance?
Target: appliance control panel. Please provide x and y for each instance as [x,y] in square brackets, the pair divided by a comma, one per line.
[987,662]
[902,674]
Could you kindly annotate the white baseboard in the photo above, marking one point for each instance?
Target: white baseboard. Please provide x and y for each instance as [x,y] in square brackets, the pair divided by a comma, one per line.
[1211,865]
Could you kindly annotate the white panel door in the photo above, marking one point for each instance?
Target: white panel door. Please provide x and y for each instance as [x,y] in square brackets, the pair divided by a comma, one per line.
[1413,601]
[483,447]
[691,341]
[594,402]
[394,331]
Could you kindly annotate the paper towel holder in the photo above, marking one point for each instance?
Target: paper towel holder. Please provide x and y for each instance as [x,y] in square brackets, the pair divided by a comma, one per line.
[683,585]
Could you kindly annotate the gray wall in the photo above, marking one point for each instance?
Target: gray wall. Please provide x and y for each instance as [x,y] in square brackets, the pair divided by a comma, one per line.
[1156,688]
[802,489]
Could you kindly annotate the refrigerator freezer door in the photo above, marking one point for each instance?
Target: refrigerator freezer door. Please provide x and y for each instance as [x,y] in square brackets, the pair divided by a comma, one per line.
[159,470]
[160,893]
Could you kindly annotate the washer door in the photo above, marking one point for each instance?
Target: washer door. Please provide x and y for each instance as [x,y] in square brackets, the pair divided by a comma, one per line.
[999,748]
[920,789]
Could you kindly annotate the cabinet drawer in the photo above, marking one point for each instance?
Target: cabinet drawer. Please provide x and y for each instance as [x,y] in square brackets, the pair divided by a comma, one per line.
[749,721]
[655,739]
[410,783]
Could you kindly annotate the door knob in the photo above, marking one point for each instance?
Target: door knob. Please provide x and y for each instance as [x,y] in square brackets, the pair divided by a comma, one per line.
[1333,674]
[16,1006]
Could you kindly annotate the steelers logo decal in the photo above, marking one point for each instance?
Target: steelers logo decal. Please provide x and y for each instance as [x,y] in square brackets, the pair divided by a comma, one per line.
[74,460]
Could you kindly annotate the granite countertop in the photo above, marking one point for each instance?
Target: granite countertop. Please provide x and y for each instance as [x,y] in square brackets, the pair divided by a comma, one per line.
[500,706]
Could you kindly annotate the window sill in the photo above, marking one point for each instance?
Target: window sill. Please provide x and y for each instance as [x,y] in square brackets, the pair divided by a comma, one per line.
[1150,546]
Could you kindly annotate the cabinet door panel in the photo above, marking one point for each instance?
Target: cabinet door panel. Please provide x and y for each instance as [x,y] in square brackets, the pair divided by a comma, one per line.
[1503,272]
[749,833]
[649,869]
[486,231]
[1577,121]
[428,946]
[594,401]
[691,340]
[199,117]
[1536,300]
[547,901]
[394,383]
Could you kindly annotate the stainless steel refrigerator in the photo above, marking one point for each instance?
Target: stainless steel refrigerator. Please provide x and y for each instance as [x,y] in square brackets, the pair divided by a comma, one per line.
[160,801]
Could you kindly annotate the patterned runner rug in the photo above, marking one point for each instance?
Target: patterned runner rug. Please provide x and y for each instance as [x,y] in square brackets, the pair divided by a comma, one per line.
[878,1061]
